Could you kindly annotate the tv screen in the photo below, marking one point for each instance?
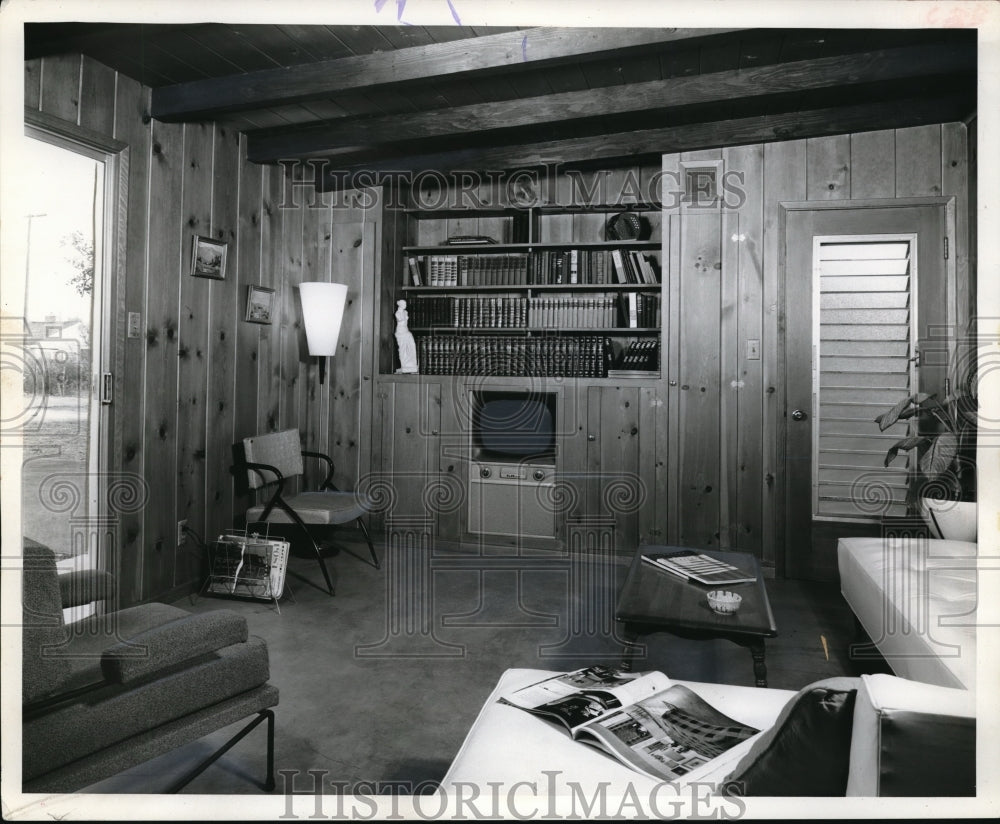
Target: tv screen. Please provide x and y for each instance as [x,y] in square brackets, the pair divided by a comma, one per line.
[516,427]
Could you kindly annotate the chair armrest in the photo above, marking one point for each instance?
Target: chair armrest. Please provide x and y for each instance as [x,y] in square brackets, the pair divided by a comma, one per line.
[85,586]
[172,643]
[261,468]
[328,480]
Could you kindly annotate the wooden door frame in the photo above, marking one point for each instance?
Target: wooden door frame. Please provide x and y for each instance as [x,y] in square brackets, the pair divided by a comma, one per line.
[948,203]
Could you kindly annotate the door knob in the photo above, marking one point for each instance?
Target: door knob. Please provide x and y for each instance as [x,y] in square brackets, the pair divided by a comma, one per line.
[799,415]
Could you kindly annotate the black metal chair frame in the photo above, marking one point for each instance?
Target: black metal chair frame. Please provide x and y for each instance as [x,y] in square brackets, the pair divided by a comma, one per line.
[277,500]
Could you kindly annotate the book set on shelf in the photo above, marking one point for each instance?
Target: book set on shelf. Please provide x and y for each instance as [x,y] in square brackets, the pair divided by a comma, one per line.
[600,311]
[547,267]
[570,356]
[560,290]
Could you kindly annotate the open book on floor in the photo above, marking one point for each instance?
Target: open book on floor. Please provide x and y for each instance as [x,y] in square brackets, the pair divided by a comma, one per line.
[696,566]
[647,722]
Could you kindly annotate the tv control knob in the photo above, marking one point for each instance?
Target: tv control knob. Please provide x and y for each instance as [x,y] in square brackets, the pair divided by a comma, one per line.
[485,472]
[538,474]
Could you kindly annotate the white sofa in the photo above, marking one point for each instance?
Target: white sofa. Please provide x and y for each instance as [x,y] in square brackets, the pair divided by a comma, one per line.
[896,724]
[916,600]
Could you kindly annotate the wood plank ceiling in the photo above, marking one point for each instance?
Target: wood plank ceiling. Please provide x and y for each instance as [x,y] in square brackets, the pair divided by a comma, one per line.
[409,98]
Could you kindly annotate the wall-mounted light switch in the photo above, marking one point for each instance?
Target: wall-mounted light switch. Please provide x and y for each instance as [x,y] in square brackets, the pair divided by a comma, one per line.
[134,322]
[753,350]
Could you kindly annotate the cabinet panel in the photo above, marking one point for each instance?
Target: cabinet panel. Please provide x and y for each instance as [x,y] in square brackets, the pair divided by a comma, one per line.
[411,424]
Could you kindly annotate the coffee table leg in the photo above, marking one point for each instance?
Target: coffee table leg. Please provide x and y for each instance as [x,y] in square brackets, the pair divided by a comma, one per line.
[759,667]
[628,652]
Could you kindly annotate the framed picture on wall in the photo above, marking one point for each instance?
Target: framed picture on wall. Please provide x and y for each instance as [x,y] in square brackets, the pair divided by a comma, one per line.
[208,258]
[260,304]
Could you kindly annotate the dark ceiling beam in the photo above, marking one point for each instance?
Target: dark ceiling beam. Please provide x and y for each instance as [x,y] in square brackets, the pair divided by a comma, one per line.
[527,49]
[889,114]
[328,138]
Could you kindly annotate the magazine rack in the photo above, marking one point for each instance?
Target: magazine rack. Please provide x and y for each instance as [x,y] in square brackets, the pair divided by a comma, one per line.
[246,564]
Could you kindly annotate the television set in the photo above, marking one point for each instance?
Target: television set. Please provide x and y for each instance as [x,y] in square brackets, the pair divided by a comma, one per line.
[507,426]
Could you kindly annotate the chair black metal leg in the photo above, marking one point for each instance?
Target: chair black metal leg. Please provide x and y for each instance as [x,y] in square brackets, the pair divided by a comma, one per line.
[371,549]
[263,715]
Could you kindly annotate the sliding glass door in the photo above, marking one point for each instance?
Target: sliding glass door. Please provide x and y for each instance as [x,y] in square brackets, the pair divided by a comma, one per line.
[63,419]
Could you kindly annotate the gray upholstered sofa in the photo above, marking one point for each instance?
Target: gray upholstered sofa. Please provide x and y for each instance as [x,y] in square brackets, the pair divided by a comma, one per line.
[118,688]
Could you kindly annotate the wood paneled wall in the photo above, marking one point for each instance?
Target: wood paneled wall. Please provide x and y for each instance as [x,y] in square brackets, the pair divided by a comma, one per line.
[725,451]
[201,378]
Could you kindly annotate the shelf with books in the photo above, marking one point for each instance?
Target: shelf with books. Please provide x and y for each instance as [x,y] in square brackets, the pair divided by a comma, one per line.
[547,289]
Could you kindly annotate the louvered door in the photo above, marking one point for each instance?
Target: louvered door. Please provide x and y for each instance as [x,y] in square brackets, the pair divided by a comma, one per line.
[863,363]
[865,290]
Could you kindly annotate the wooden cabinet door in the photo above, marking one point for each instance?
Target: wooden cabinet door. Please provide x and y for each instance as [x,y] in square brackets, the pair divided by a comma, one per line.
[410,444]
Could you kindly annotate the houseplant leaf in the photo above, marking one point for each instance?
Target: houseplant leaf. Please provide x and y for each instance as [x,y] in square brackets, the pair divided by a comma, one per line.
[904,445]
[906,408]
[938,459]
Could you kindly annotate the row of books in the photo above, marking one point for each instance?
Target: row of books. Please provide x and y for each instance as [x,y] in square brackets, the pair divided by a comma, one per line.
[587,356]
[628,311]
[572,357]
[639,355]
[544,267]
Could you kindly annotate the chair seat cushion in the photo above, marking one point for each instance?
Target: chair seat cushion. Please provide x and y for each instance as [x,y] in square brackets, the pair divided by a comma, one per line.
[99,718]
[317,508]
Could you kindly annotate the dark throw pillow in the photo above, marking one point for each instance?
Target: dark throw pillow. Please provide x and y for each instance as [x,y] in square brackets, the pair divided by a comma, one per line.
[808,750]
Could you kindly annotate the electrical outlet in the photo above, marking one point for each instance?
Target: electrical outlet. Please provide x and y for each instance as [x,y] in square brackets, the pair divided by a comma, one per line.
[181,534]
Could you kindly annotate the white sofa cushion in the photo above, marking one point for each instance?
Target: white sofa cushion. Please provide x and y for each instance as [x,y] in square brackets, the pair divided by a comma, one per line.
[916,599]
[509,745]
[912,739]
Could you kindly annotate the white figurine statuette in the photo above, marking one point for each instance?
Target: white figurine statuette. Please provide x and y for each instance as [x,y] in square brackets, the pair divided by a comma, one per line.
[404,340]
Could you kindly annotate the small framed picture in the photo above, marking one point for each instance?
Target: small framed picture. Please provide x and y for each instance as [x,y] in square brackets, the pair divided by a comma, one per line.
[260,304]
[208,258]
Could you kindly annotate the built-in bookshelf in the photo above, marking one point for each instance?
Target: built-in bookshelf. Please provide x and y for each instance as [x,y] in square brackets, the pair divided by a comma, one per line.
[539,291]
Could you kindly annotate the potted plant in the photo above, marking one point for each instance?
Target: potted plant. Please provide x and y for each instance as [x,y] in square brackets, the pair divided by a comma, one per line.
[943,478]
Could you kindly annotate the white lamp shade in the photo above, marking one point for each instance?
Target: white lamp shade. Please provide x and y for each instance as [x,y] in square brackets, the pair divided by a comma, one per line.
[323,312]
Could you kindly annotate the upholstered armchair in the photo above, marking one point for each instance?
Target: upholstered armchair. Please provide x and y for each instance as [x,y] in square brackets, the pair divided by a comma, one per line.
[118,688]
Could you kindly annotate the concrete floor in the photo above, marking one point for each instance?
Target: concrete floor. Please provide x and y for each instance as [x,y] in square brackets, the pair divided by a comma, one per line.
[386,695]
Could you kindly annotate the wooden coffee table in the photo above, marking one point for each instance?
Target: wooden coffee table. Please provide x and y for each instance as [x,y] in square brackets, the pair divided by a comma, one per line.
[653,601]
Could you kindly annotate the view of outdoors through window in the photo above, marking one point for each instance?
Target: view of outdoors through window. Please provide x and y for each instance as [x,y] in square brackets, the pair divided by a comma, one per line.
[62,224]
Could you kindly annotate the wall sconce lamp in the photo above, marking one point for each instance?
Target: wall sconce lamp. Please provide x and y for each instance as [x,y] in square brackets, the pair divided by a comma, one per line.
[323,312]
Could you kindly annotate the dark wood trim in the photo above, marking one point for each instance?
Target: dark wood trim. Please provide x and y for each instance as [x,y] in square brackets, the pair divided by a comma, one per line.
[885,65]
[630,146]
[528,49]
[71,131]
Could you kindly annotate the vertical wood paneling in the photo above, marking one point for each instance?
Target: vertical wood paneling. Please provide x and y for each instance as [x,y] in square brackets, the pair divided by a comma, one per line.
[132,101]
[97,96]
[194,316]
[954,175]
[222,335]
[310,391]
[699,373]
[748,163]
[348,266]
[828,171]
[289,276]
[272,253]
[918,161]
[164,256]
[60,91]
[247,396]
[784,179]
[873,164]
[32,83]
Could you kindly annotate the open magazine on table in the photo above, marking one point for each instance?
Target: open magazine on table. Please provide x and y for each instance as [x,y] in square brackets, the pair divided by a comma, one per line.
[647,722]
[696,566]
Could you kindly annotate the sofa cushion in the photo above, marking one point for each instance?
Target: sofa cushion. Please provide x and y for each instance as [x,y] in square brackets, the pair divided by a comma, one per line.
[112,713]
[44,667]
[912,739]
[168,644]
[807,751]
